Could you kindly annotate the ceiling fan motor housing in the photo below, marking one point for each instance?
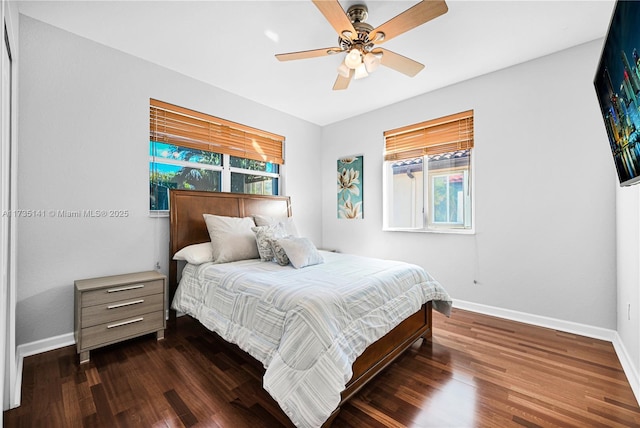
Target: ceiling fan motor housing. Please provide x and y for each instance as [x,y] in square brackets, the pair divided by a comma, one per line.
[358,14]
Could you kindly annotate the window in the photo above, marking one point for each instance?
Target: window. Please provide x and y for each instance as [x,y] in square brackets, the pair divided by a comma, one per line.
[428,175]
[251,176]
[191,150]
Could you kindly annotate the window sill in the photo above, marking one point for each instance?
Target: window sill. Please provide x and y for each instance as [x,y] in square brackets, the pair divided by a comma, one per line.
[440,231]
[154,214]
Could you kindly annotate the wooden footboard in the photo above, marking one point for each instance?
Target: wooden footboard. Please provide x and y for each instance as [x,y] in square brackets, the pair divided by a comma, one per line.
[383,352]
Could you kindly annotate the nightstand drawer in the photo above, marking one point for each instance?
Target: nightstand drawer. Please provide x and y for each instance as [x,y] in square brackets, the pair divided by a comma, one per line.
[121,309]
[107,333]
[121,292]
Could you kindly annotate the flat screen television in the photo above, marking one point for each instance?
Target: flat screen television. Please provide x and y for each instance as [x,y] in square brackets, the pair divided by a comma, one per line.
[617,84]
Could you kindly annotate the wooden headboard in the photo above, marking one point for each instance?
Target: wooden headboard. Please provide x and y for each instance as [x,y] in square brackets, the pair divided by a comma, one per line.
[187,224]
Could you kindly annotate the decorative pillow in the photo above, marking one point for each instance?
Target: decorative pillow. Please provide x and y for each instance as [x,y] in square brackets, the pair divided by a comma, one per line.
[279,254]
[300,251]
[287,223]
[264,236]
[231,238]
[195,254]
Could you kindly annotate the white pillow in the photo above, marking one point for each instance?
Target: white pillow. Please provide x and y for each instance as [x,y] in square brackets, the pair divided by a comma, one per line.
[195,254]
[300,251]
[287,223]
[231,238]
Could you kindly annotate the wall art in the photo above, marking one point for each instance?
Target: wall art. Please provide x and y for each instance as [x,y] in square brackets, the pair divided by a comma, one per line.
[350,204]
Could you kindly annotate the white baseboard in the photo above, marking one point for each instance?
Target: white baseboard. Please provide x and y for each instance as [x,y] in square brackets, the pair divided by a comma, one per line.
[540,321]
[34,348]
[612,336]
[627,366]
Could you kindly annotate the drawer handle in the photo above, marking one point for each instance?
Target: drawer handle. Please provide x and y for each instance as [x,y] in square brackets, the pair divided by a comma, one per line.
[120,305]
[133,287]
[120,324]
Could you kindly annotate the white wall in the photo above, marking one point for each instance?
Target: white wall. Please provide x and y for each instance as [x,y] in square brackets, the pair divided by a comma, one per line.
[545,241]
[84,114]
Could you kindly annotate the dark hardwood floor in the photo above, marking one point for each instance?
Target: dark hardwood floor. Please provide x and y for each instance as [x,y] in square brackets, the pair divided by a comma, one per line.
[476,371]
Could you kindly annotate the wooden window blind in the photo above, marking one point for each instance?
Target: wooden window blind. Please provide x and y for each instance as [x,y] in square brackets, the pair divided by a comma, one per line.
[446,134]
[188,128]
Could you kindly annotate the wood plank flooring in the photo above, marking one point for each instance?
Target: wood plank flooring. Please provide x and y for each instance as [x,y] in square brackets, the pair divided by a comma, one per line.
[476,371]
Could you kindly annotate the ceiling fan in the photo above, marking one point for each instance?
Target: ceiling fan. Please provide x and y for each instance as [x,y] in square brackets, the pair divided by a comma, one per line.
[361,40]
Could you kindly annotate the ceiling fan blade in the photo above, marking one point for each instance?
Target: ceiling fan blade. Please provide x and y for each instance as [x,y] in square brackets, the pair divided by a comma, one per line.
[307,54]
[343,82]
[413,17]
[339,20]
[399,63]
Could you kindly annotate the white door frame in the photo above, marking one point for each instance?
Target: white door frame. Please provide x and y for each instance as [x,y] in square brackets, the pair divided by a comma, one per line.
[9,395]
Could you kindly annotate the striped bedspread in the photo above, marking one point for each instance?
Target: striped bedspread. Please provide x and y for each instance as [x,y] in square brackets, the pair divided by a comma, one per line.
[307,326]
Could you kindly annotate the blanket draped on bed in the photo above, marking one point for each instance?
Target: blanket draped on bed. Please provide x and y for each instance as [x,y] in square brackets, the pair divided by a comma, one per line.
[307,326]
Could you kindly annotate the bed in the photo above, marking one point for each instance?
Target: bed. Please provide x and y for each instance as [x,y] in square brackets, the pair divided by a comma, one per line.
[349,332]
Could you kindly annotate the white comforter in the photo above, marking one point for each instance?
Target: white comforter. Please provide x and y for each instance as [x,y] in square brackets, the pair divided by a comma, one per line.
[308,325]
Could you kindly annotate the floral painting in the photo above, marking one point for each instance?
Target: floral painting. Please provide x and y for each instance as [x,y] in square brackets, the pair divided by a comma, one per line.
[350,187]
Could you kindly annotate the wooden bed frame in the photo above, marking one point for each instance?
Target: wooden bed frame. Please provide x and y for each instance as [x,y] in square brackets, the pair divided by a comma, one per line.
[188,227]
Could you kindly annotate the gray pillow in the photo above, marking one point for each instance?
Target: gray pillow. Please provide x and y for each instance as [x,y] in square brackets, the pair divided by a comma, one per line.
[264,236]
[279,254]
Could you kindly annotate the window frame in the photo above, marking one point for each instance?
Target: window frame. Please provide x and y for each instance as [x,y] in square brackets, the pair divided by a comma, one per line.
[467,187]
[229,170]
[225,177]
[419,150]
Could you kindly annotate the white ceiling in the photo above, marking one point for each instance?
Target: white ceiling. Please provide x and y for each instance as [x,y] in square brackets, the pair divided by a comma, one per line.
[231,44]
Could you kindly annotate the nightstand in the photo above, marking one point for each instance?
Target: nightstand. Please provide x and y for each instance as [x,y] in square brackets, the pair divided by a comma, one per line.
[111,309]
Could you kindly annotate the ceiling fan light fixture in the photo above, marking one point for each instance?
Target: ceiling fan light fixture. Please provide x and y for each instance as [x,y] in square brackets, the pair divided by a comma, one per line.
[372,61]
[361,71]
[353,58]
[343,70]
